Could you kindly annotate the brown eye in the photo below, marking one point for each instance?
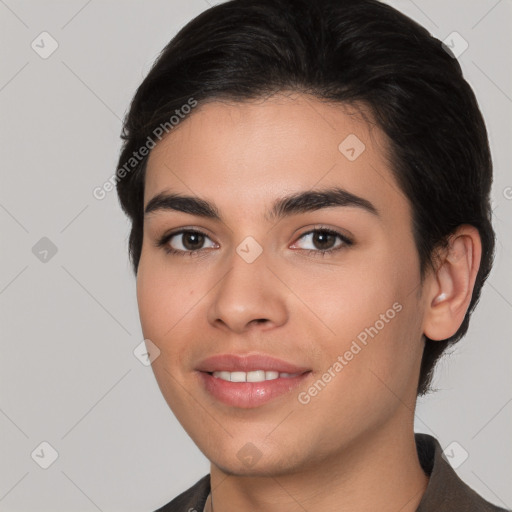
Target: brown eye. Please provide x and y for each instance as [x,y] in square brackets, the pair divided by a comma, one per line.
[322,241]
[192,240]
[185,242]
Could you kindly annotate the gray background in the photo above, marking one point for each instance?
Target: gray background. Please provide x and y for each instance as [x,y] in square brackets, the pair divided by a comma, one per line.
[69,323]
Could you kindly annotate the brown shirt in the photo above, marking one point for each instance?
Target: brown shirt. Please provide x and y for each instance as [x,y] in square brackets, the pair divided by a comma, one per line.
[445,492]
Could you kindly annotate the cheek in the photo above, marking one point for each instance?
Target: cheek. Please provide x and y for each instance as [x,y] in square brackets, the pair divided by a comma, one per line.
[370,313]
[160,297]
[347,299]
[170,301]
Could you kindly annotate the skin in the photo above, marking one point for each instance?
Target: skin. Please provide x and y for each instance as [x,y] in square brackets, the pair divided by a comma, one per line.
[330,452]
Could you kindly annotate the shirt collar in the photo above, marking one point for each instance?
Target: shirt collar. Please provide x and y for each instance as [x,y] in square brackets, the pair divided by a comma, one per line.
[445,490]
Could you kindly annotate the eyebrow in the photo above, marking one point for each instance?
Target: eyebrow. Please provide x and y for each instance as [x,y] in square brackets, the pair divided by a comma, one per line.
[301,202]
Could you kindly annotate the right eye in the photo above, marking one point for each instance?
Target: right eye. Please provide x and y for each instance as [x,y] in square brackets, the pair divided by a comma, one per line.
[186,242]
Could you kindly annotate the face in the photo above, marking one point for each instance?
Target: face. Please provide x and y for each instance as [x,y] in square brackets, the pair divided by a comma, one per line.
[283,294]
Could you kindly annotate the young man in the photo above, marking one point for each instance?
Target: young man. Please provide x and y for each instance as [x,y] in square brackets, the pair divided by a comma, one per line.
[308,185]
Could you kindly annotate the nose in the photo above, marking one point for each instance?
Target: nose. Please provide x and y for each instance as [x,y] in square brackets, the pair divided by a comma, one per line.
[249,295]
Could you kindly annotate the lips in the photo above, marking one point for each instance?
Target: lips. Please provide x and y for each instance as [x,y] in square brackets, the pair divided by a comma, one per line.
[248,363]
[249,381]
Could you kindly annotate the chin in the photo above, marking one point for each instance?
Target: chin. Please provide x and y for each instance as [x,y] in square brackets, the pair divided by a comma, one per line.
[259,470]
[251,461]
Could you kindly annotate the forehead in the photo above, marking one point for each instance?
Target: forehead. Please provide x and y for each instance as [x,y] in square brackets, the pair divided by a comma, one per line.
[243,155]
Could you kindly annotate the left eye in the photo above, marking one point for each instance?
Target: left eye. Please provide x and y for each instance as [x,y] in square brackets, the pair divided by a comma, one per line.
[324,240]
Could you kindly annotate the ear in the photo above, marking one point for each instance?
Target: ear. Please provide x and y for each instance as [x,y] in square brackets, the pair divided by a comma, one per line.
[450,287]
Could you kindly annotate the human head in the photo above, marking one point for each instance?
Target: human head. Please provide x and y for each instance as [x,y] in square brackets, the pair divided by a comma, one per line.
[355,52]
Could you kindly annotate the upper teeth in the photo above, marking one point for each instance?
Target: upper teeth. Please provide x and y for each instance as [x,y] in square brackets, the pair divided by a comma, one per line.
[254,376]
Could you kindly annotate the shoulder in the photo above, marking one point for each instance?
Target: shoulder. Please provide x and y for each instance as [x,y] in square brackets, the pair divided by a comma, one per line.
[446,492]
[192,500]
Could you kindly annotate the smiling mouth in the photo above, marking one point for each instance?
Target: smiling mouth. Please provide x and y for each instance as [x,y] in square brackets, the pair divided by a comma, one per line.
[248,381]
[252,389]
[252,376]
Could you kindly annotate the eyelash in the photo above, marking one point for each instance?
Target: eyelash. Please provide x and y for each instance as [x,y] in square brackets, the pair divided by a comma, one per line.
[163,242]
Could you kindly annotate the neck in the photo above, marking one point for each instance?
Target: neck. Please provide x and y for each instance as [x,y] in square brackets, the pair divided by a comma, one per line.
[380,471]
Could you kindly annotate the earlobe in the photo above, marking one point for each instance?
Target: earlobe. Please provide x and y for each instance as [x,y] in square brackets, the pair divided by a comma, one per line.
[451,286]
